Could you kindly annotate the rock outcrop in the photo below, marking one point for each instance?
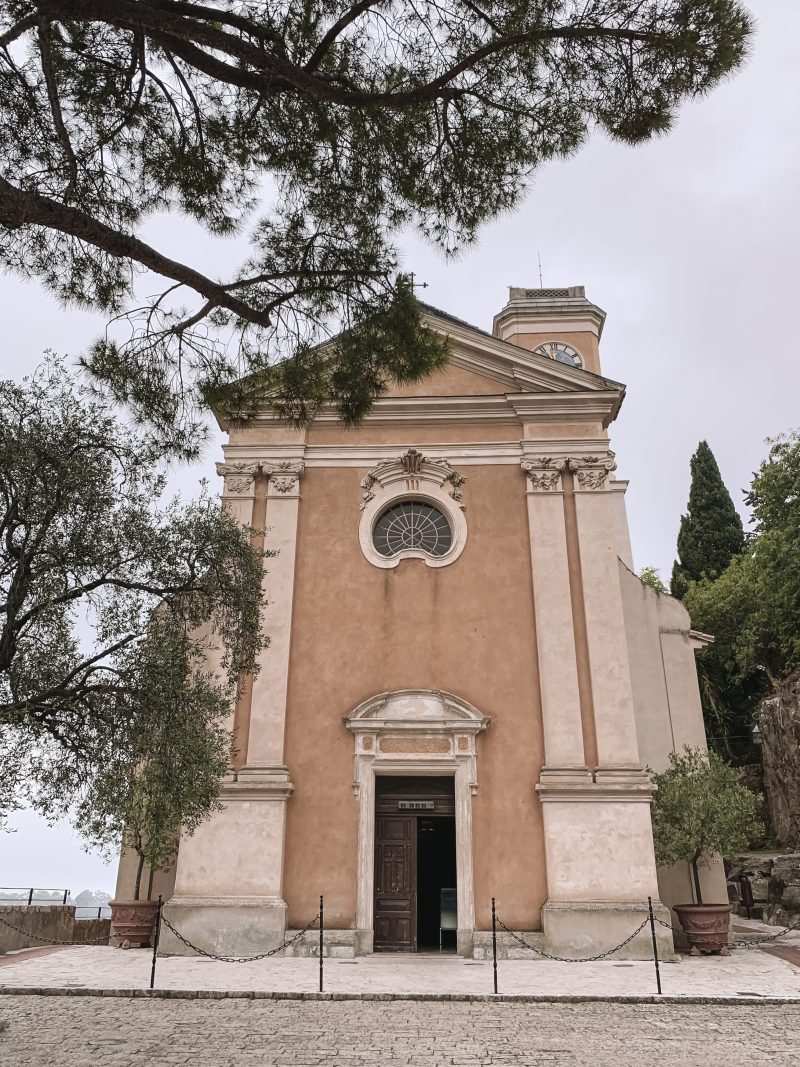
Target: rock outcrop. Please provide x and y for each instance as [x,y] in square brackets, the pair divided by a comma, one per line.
[778,718]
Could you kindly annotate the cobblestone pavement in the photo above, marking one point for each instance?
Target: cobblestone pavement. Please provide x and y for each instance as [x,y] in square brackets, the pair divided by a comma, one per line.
[114,1032]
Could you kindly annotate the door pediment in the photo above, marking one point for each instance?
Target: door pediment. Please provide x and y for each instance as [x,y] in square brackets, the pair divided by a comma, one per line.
[406,707]
[416,731]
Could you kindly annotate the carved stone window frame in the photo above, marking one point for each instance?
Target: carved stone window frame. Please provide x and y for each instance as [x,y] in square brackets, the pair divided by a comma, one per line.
[412,476]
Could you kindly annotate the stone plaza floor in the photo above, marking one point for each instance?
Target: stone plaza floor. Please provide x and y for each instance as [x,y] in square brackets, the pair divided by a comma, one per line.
[746,972]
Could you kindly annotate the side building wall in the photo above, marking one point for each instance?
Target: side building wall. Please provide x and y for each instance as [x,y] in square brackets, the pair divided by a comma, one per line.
[667,705]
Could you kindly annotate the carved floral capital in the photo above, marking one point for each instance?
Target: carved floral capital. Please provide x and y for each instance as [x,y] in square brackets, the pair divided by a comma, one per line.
[544,473]
[239,478]
[591,472]
[284,476]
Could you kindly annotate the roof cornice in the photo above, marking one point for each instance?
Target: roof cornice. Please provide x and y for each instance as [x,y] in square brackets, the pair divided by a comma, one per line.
[511,365]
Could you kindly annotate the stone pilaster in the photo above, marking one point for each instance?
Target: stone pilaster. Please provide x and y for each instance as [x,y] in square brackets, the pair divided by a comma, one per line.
[268,714]
[612,693]
[229,878]
[555,637]
[598,836]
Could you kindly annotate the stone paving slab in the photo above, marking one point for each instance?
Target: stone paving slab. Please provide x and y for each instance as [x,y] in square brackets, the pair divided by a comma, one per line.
[745,972]
[118,1032]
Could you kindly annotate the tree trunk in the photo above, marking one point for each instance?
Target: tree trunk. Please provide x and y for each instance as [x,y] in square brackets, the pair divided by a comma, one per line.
[138,884]
[150,885]
[696,875]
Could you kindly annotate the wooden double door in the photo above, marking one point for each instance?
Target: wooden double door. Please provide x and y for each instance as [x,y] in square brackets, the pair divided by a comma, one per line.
[414,859]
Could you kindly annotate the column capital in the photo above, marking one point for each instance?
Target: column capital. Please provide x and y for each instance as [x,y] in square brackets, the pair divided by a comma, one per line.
[591,472]
[239,478]
[544,473]
[283,477]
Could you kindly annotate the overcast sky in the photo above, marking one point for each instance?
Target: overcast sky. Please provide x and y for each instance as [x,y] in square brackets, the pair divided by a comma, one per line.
[689,244]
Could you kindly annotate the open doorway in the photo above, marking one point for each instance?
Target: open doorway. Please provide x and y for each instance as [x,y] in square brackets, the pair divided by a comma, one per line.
[415,865]
[436,883]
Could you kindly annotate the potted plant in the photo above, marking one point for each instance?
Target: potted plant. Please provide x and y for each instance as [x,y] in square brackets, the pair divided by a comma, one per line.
[168,781]
[701,809]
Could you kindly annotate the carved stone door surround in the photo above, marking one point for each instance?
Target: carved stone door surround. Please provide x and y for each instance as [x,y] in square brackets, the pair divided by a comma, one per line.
[415,732]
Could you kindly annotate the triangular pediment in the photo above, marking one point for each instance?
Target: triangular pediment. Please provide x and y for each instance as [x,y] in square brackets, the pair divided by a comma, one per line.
[481,365]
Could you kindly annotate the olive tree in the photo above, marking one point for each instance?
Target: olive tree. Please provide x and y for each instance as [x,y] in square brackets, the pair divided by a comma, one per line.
[701,809]
[91,560]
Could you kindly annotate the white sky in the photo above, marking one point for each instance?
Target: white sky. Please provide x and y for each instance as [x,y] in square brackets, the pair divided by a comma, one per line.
[691,246]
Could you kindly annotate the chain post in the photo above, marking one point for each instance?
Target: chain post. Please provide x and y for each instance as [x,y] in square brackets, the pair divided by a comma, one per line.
[321,940]
[655,944]
[156,935]
[30,897]
[494,944]
[66,895]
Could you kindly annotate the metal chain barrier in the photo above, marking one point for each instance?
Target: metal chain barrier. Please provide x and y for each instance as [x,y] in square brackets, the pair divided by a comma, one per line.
[740,942]
[744,942]
[569,959]
[238,959]
[53,940]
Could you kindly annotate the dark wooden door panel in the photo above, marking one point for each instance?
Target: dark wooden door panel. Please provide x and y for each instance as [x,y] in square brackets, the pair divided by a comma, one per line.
[395,883]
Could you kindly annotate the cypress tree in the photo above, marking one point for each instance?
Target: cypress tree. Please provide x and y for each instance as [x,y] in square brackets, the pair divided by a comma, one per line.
[711,531]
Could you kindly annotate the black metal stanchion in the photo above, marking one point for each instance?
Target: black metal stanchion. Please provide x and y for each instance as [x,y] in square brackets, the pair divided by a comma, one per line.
[156,935]
[494,944]
[655,945]
[321,939]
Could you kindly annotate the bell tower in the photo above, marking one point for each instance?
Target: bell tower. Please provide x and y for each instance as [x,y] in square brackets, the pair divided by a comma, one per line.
[560,323]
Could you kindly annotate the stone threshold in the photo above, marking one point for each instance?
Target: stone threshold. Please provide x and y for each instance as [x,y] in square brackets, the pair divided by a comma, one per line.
[481,998]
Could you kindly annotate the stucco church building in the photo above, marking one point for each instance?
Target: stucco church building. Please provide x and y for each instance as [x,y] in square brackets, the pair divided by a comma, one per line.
[465,681]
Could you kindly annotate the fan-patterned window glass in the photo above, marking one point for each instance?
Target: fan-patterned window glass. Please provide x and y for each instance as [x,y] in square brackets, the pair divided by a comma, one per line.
[412,524]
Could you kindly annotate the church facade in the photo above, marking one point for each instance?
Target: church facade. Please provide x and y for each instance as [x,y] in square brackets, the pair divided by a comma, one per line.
[465,682]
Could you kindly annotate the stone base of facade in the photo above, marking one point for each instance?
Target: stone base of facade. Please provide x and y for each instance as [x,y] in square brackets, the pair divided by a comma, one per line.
[224,926]
[507,947]
[577,929]
[338,944]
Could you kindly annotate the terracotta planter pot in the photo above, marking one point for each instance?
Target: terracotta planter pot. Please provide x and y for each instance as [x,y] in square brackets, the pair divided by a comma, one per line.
[132,923]
[705,926]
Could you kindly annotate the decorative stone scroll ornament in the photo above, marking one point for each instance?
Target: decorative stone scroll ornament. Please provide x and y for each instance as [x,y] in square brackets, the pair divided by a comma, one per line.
[412,476]
[591,472]
[413,467]
[544,474]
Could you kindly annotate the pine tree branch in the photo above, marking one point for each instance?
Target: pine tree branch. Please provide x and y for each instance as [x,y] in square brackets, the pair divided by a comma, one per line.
[45,40]
[15,32]
[188,39]
[338,27]
[20,207]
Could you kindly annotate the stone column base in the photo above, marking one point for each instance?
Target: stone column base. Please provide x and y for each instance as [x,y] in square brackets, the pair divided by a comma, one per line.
[226,926]
[577,929]
[363,942]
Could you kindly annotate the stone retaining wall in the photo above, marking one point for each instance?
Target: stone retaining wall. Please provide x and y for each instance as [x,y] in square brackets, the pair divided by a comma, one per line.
[775,881]
[54,922]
